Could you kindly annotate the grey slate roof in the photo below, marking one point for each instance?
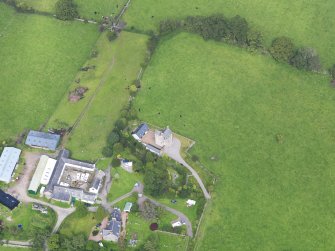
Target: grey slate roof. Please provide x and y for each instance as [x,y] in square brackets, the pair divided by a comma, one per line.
[57,170]
[153,149]
[8,160]
[8,200]
[116,214]
[66,193]
[59,193]
[96,183]
[141,130]
[167,133]
[43,140]
[114,227]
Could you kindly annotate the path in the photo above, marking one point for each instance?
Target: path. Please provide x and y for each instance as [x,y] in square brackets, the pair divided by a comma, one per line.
[17,244]
[19,190]
[173,152]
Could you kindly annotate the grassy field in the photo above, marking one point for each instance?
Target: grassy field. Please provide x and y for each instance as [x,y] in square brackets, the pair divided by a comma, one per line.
[30,220]
[307,22]
[270,131]
[14,249]
[90,136]
[41,56]
[86,8]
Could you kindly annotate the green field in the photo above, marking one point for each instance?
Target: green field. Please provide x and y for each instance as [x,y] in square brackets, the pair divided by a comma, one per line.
[270,130]
[88,139]
[86,8]
[40,57]
[307,22]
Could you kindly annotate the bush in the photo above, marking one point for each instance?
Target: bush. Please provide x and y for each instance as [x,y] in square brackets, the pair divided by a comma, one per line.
[107,151]
[95,232]
[282,49]
[115,163]
[306,59]
[111,35]
[113,138]
[66,10]
[332,71]
[195,158]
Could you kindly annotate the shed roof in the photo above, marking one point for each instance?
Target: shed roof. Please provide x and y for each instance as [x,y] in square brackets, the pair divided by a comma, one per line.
[128,206]
[154,149]
[42,139]
[8,200]
[48,171]
[36,180]
[116,214]
[8,160]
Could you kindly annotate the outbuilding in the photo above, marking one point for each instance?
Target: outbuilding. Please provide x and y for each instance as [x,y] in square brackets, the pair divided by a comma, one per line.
[36,179]
[8,201]
[8,162]
[43,140]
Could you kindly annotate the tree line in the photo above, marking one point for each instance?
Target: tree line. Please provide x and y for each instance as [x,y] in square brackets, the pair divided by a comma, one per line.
[237,31]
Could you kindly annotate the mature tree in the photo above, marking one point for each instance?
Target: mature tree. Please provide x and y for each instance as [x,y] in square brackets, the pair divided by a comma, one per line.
[113,138]
[107,151]
[149,210]
[66,9]
[282,49]
[73,243]
[156,180]
[307,59]
[115,162]
[121,124]
[54,242]
[39,237]
[239,30]
[118,148]
[255,39]
[168,26]
[332,71]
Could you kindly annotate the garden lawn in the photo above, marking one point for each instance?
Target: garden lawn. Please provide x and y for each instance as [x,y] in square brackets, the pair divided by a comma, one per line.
[40,57]
[30,220]
[270,129]
[89,137]
[123,182]
[14,249]
[76,224]
[168,242]
[307,22]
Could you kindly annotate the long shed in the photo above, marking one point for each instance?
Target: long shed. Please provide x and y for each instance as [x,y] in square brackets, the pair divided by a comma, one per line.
[36,179]
[8,161]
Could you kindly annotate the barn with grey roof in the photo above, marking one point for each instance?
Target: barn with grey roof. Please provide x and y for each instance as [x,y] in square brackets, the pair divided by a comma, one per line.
[42,140]
[8,161]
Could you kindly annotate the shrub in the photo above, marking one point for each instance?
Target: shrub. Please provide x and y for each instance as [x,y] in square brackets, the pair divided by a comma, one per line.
[115,162]
[111,35]
[66,10]
[195,158]
[107,151]
[113,138]
[121,124]
[282,49]
[95,232]
[306,59]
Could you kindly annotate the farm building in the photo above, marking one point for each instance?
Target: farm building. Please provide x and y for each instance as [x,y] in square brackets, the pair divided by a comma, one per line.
[8,161]
[42,173]
[163,137]
[43,140]
[73,179]
[48,171]
[8,201]
[140,131]
[36,179]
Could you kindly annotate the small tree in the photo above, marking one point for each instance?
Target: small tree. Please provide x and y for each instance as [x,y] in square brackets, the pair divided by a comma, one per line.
[282,49]
[66,9]
[307,59]
[332,71]
[113,138]
[54,242]
[111,35]
[107,151]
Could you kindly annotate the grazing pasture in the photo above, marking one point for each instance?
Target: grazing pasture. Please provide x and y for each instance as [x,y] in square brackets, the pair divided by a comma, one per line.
[39,59]
[89,137]
[86,8]
[265,129]
[307,22]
